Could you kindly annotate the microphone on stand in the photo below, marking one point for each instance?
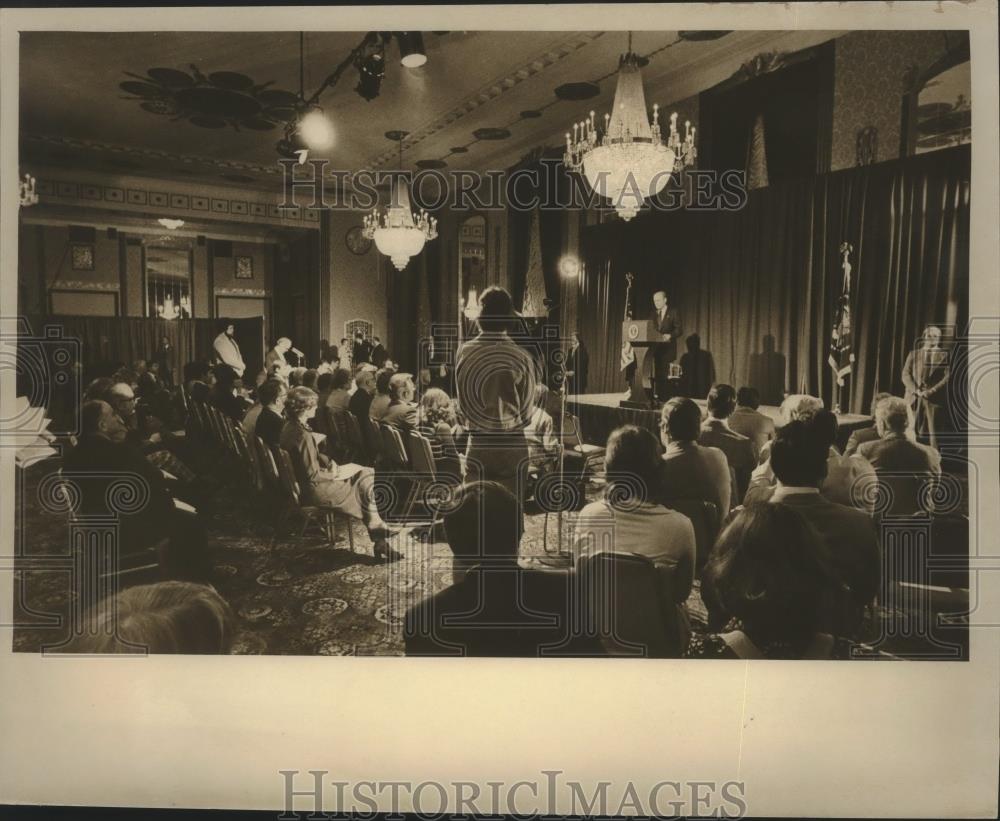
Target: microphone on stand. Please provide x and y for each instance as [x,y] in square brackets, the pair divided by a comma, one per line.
[298,354]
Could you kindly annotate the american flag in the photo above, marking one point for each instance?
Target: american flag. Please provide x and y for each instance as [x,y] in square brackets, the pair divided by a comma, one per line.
[841,357]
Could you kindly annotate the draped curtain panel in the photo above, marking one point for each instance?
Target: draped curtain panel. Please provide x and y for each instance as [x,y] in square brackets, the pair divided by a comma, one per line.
[759,285]
[109,341]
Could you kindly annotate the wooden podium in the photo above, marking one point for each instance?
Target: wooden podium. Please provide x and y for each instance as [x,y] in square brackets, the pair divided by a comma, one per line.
[641,334]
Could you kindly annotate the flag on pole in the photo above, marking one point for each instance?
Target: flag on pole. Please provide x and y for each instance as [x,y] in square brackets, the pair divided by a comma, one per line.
[841,357]
[628,355]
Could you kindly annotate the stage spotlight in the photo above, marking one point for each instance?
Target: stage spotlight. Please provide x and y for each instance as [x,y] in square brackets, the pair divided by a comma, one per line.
[316,130]
[569,267]
[411,49]
[371,70]
[291,144]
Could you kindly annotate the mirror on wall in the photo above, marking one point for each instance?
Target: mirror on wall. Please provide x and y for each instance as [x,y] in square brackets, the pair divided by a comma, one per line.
[168,282]
[472,261]
[937,110]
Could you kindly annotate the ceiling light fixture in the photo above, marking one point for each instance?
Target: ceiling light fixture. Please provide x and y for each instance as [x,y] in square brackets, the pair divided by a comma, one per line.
[628,160]
[399,234]
[170,224]
[411,49]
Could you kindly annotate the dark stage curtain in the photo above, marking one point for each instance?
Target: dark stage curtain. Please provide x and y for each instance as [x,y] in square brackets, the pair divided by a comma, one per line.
[759,284]
[105,342]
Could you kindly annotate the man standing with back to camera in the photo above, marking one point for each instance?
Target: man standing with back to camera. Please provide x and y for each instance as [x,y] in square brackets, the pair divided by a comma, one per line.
[495,381]
[667,323]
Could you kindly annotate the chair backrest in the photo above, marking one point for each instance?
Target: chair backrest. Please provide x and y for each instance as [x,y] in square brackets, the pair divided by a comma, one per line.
[266,459]
[705,518]
[249,454]
[372,437]
[624,605]
[421,454]
[348,433]
[392,446]
[571,437]
[286,473]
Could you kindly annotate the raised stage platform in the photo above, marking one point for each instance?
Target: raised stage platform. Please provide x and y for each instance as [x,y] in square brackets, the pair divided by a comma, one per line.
[600,413]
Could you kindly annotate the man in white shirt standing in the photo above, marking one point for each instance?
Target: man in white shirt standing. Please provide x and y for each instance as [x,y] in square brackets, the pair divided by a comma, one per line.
[227,351]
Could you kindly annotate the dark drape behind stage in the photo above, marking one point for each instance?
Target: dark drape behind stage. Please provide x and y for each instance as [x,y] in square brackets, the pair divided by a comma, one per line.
[105,341]
[759,284]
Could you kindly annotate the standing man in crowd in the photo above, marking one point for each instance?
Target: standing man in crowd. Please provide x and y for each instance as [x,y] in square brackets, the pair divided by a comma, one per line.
[227,350]
[667,324]
[379,354]
[495,381]
[925,375]
[577,363]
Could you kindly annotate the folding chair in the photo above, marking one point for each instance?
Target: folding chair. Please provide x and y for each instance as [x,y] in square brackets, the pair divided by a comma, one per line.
[290,486]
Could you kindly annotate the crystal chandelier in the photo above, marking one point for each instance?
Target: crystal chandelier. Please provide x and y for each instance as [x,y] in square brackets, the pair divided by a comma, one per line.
[628,160]
[399,233]
[26,186]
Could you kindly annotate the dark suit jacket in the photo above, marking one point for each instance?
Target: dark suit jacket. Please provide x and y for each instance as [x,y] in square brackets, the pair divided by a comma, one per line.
[105,463]
[503,611]
[269,425]
[666,352]
[905,467]
[860,437]
[927,370]
[378,355]
[402,415]
[850,534]
[738,449]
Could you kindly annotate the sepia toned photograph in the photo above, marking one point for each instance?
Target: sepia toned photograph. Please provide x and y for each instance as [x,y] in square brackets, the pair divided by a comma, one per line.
[509,341]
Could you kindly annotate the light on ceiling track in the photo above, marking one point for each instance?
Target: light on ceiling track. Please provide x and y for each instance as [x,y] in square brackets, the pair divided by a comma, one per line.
[411,49]
[316,130]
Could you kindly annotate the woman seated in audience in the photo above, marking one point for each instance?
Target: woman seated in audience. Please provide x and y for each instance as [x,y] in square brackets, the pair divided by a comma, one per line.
[309,378]
[436,421]
[167,617]
[770,581]
[295,377]
[380,404]
[322,482]
[629,520]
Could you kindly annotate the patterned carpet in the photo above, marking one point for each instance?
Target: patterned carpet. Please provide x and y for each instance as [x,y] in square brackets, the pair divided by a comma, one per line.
[295,596]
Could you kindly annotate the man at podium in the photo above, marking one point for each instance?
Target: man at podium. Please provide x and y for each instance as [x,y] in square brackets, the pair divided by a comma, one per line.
[667,323]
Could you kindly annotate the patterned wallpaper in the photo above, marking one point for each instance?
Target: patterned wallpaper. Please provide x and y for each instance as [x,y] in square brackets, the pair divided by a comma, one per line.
[869,86]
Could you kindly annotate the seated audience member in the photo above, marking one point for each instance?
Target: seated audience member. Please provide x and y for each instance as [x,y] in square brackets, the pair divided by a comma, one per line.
[98,389]
[223,395]
[797,406]
[271,420]
[339,397]
[309,378]
[716,433]
[690,470]
[799,456]
[425,380]
[630,519]
[869,433]
[494,608]
[269,395]
[149,380]
[850,480]
[329,361]
[324,384]
[295,377]
[196,371]
[321,482]
[360,406]
[102,452]
[746,419]
[543,444]
[381,400]
[770,581]
[166,617]
[402,412]
[907,468]
[436,421]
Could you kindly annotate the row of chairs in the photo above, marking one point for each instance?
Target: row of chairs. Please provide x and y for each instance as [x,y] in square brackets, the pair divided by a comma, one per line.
[268,471]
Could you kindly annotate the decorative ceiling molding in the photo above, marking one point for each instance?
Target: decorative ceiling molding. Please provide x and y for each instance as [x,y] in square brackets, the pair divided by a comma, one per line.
[489,92]
[111,149]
